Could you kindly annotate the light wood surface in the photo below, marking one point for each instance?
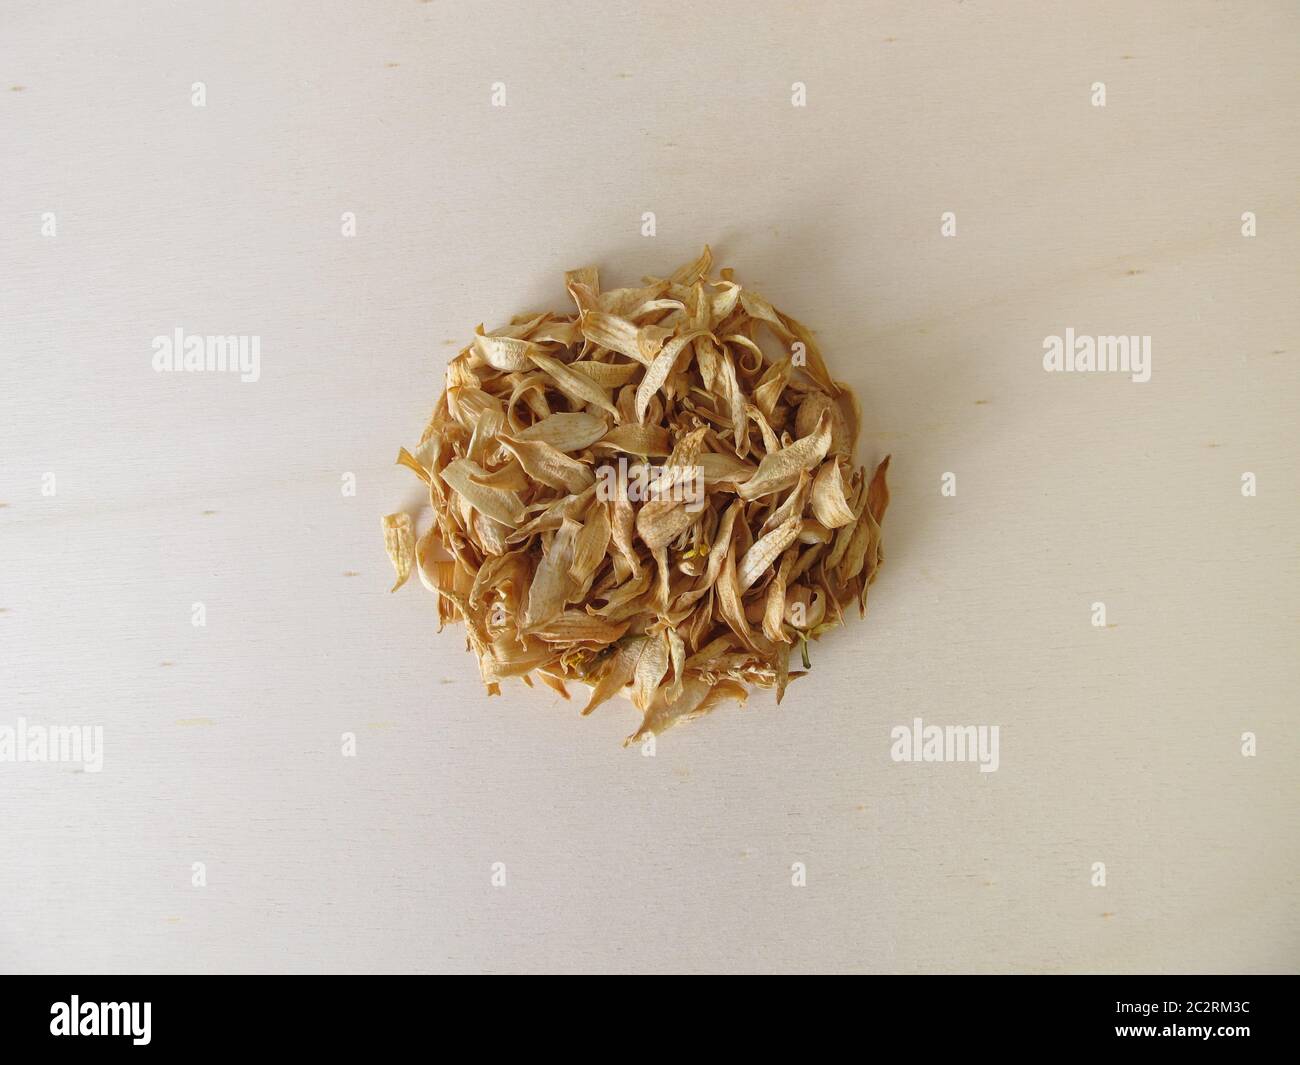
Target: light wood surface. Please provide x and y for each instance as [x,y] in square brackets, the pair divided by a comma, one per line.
[1119,744]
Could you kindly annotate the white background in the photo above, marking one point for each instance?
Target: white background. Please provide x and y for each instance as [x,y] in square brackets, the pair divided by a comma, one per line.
[1119,745]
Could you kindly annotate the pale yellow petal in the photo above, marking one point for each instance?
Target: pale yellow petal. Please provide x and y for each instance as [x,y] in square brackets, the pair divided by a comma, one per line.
[399,542]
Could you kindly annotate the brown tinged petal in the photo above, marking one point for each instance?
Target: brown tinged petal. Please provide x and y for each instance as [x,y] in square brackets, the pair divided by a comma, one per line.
[566,432]
[549,590]
[577,626]
[576,386]
[651,666]
[775,606]
[549,465]
[585,275]
[781,469]
[660,522]
[759,558]
[649,440]
[494,502]
[657,372]
[695,269]
[606,374]
[405,458]
[615,333]
[617,671]
[399,542]
[504,353]
[878,493]
[828,502]
[698,698]
[729,599]
[591,544]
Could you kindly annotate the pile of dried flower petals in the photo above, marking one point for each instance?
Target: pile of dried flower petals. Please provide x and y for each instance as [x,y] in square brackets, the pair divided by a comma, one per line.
[676,601]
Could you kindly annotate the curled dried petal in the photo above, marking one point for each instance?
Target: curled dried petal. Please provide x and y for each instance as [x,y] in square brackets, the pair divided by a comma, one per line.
[463,476]
[657,373]
[766,551]
[566,432]
[576,386]
[650,669]
[649,440]
[697,699]
[504,353]
[828,502]
[617,334]
[780,469]
[399,542]
[549,465]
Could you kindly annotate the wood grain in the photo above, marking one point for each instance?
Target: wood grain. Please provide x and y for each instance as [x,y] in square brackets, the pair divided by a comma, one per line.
[1119,744]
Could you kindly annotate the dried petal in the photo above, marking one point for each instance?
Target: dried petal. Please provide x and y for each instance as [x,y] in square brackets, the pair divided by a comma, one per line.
[781,469]
[658,371]
[615,333]
[766,551]
[549,465]
[697,699]
[505,506]
[576,386]
[399,542]
[650,669]
[617,671]
[828,502]
[504,354]
[566,432]
[647,440]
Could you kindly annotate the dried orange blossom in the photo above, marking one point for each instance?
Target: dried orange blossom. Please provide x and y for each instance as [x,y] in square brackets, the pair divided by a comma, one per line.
[638,497]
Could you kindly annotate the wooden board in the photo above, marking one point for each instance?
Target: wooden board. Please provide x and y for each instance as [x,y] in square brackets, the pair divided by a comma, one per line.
[1120,743]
